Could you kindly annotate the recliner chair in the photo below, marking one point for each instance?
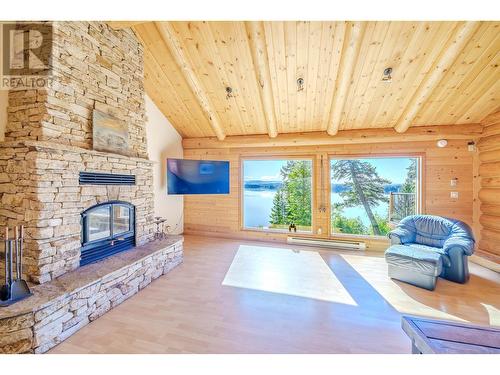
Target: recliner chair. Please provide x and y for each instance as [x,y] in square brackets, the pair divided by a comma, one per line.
[424,234]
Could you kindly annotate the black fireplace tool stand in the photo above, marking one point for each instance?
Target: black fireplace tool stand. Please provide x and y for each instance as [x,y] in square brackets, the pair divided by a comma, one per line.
[16,289]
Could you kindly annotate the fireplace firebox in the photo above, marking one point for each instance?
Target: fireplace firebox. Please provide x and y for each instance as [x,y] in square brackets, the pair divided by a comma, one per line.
[107,228]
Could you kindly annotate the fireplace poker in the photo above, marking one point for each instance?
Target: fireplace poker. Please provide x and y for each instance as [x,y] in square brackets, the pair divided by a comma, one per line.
[4,291]
[19,288]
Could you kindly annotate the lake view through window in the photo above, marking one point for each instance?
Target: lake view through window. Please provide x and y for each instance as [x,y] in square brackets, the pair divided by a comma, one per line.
[277,194]
[369,196]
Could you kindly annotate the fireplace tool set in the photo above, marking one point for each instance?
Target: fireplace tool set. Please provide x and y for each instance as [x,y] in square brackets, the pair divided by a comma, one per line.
[161,228]
[14,289]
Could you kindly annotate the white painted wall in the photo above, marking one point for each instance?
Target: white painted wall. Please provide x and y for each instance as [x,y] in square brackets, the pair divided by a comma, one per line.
[4,100]
[164,142]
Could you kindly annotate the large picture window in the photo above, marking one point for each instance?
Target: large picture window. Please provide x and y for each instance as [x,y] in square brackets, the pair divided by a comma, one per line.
[277,194]
[370,195]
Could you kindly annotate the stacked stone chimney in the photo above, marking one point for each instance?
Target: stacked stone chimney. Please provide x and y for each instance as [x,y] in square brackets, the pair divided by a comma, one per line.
[48,141]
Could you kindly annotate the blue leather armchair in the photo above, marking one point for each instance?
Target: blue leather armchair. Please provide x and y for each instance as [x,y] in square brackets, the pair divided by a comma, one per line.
[451,238]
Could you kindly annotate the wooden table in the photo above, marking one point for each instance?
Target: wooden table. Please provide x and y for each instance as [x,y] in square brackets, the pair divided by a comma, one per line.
[429,336]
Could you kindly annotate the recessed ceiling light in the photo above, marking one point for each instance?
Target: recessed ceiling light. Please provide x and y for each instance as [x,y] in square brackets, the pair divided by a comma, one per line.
[300,84]
[387,75]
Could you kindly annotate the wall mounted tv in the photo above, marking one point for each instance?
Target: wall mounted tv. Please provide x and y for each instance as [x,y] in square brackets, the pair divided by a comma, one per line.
[197,176]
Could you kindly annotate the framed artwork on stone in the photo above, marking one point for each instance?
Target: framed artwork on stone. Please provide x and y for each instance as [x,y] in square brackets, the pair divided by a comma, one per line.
[109,134]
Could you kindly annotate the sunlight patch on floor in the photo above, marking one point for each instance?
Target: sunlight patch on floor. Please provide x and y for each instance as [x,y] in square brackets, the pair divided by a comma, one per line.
[494,314]
[404,298]
[285,271]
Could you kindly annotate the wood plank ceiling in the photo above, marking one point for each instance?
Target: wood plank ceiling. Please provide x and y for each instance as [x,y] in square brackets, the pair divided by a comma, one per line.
[442,73]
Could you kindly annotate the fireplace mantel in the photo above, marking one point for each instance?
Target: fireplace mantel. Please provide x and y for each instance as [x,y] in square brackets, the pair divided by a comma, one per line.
[49,146]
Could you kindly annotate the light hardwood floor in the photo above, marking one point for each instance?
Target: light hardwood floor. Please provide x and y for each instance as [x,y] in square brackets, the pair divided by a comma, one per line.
[190,311]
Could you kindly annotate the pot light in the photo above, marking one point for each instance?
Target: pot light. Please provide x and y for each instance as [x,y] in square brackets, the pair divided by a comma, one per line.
[442,143]
[300,84]
[387,75]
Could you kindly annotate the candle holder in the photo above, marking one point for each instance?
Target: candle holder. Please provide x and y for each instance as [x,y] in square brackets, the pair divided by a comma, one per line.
[161,227]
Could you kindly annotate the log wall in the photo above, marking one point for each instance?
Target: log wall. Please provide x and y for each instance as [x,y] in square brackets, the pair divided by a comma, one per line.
[489,189]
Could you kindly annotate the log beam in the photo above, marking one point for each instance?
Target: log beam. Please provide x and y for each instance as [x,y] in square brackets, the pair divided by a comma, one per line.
[365,136]
[352,45]
[118,25]
[256,37]
[169,37]
[492,119]
[456,44]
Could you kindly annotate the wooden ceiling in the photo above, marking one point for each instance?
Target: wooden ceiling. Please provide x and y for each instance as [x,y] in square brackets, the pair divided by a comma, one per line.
[443,73]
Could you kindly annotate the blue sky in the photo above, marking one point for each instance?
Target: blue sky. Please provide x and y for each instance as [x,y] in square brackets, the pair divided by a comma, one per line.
[268,170]
[393,169]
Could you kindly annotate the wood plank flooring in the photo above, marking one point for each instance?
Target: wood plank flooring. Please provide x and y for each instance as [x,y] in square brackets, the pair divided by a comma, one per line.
[190,311]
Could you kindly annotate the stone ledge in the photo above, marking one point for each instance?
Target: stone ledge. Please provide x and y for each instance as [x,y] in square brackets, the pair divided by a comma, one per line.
[47,145]
[61,307]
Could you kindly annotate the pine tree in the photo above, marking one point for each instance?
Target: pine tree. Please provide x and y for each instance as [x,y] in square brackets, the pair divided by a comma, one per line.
[297,184]
[278,211]
[292,202]
[366,187]
[411,177]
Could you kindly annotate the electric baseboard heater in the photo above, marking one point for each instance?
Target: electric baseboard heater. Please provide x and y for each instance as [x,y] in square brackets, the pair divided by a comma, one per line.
[332,244]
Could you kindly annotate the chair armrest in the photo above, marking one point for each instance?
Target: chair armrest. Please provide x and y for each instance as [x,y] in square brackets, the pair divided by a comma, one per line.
[400,235]
[458,269]
[462,243]
[395,240]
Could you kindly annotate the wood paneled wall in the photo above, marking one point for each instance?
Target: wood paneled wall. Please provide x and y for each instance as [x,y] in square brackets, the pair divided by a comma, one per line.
[489,193]
[220,215]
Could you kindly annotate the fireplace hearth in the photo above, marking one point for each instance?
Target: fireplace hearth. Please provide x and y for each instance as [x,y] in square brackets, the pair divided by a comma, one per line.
[107,228]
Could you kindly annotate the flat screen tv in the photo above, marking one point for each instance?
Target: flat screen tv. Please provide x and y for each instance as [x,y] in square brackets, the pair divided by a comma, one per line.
[197,176]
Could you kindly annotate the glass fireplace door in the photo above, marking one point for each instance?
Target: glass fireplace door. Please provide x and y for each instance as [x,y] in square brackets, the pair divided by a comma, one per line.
[98,222]
[121,219]
[107,228]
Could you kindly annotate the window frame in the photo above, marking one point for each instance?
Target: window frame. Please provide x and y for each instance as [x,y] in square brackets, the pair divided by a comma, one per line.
[420,187]
[285,157]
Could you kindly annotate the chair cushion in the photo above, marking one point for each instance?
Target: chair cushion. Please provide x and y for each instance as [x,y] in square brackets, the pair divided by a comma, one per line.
[444,257]
[418,259]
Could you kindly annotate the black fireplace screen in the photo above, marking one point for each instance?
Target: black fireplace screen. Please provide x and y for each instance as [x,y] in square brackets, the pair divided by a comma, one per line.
[107,229]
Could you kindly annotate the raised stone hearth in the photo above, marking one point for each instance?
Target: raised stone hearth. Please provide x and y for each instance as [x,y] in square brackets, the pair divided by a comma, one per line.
[63,306]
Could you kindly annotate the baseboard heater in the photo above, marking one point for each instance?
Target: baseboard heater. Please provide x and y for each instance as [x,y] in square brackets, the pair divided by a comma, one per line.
[333,244]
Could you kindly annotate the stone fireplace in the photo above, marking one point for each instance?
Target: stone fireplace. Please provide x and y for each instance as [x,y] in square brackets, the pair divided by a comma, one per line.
[69,222]
[48,143]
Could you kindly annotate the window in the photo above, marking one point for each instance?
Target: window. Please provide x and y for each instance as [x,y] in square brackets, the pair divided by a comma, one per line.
[277,194]
[368,196]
